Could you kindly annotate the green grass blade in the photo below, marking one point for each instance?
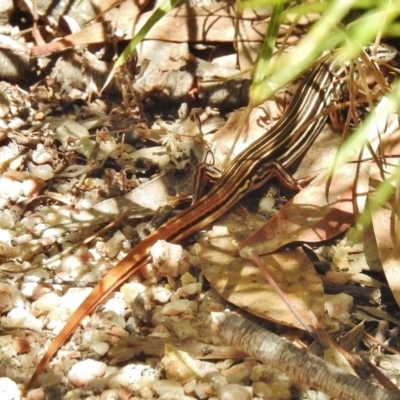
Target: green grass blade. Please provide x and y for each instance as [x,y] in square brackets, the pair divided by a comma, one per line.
[162,9]
[263,66]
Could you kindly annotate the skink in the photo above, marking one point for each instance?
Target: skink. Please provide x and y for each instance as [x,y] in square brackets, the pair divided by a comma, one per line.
[270,155]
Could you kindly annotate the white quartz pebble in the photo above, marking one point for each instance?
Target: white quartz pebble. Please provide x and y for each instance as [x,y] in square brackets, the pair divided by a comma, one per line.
[85,371]
[9,390]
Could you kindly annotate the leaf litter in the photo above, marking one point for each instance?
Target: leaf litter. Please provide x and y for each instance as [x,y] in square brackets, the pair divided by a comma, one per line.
[67,161]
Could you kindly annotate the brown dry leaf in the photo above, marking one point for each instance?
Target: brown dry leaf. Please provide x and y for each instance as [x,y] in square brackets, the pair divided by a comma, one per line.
[309,217]
[385,221]
[213,23]
[139,202]
[99,32]
[241,283]
[247,126]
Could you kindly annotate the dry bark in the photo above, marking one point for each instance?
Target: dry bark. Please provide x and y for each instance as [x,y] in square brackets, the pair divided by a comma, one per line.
[298,364]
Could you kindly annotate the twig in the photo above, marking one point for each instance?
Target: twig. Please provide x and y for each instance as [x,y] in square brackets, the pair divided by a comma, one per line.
[299,365]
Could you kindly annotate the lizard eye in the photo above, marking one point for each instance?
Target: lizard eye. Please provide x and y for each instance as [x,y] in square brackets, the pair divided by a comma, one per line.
[368,51]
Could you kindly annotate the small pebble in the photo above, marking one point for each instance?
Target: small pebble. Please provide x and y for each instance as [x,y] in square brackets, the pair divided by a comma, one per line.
[168,386]
[6,219]
[169,259]
[215,379]
[111,394]
[9,390]
[40,155]
[134,376]
[338,306]
[114,245]
[38,394]
[266,204]
[100,348]
[44,172]
[234,392]
[189,290]
[277,390]
[203,390]
[83,372]
[176,307]
[21,318]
